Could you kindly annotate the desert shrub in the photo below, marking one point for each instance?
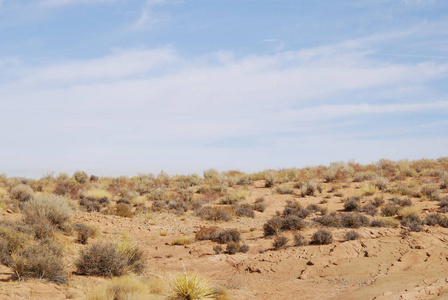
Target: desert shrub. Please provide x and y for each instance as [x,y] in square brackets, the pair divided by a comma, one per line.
[271,178]
[245,180]
[216,213]
[134,256]
[364,175]
[55,209]
[65,187]
[300,240]
[377,223]
[183,241]
[402,189]
[388,222]
[310,188]
[284,189]
[381,182]
[377,201]
[434,219]
[352,204]
[407,210]
[352,220]
[272,226]
[81,177]
[42,228]
[245,210]
[314,207]
[229,235]
[390,210]
[123,210]
[159,194]
[208,233]
[92,204]
[11,240]
[432,191]
[443,203]
[280,241]
[218,249]
[234,247]
[322,237]
[351,235]
[158,205]
[235,197]
[179,207]
[370,209]
[330,220]
[259,206]
[295,208]
[101,259]
[413,222]
[368,189]
[444,180]
[293,222]
[84,233]
[189,286]
[41,260]
[96,194]
[21,192]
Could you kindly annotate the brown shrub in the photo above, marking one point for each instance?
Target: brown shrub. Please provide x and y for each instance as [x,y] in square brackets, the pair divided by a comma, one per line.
[351,235]
[280,241]
[229,235]
[322,237]
[101,259]
[123,210]
[272,226]
[216,213]
[390,210]
[22,192]
[208,233]
[85,232]
[300,240]
[55,209]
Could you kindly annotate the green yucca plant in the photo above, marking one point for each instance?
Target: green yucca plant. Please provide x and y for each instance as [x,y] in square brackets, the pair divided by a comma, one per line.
[189,286]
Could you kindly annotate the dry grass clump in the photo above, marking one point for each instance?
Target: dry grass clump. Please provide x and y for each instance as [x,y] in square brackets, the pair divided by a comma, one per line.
[40,260]
[3,192]
[244,210]
[368,189]
[271,178]
[190,286]
[125,287]
[235,197]
[364,175]
[55,209]
[432,191]
[97,194]
[123,210]
[385,222]
[322,237]
[85,232]
[279,242]
[12,239]
[408,210]
[21,192]
[351,235]
[370,209]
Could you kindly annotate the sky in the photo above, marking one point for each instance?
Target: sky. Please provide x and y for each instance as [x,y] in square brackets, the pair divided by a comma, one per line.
[122,87]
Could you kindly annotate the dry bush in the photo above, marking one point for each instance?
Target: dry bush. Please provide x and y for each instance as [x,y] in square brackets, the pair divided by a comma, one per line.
[235,197]
[310,188]
[229,235]
[351,235]
[55,209]
[280,241]
[443,180]
[370,209]
[234,247]
[42,228]
[402,189]
[295,208]
[216,213]
[41,260]
[284,189]
[364,175]
[413,222]
[352,220]
[123,210]
[293,222]
[12,239]
[273,226]
[259,206]
[101,259]
[189,286]
[81,177]
[330,220]
[218,249]
[402,202]
[271,178]
[300,240]
[352,204]
[92,204]
[159,194]
[96,194]
[85,232]
[21,192]
[436,219]
[244,210]
[388,222]
[377,201]
[408,210]
[390,210]
[432,191]
[65,187]
[208,233]
[322,237]
[135,258]
[381,182]
[377,223]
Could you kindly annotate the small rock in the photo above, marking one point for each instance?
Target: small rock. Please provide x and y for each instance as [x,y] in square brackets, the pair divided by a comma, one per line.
[9,211]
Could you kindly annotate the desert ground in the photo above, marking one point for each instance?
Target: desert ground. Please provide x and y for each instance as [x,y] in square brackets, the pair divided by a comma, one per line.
[382,233]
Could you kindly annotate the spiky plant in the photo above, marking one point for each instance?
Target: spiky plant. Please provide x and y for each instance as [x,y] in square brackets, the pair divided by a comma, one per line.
[189,286]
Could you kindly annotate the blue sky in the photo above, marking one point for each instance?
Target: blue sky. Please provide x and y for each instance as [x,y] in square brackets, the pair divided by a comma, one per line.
[120,87]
